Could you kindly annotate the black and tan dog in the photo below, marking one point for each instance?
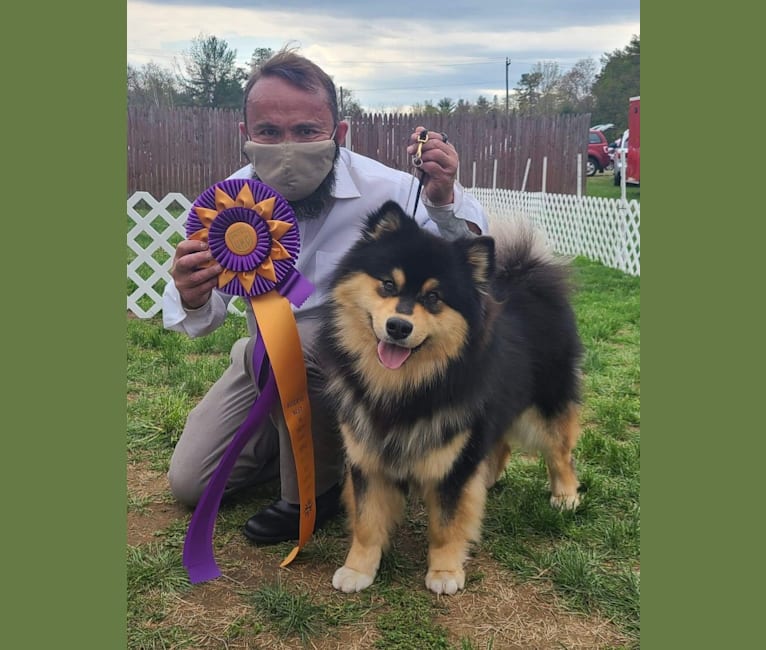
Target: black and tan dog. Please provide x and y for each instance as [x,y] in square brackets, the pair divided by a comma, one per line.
[439,357]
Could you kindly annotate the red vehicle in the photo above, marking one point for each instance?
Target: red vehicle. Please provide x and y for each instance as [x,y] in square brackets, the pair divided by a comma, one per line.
[598,151]
[630,147]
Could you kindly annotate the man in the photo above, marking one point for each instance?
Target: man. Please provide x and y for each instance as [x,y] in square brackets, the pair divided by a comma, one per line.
[293,135]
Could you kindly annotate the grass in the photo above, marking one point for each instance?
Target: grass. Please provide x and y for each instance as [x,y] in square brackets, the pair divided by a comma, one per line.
[603,185]
[588,560]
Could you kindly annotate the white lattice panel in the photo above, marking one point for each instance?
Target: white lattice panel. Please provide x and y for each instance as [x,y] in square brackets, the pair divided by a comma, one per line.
[150,269]
[604,230]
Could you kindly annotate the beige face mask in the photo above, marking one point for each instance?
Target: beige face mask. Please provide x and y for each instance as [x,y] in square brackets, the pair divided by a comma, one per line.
[294,169]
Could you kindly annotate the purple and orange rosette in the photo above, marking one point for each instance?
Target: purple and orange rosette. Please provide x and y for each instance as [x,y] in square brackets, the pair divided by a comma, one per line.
[252,232]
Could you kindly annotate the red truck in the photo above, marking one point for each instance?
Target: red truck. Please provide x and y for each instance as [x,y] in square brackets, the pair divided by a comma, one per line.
[630,147]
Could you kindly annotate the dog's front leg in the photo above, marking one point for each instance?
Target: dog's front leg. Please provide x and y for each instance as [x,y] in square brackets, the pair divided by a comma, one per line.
[452,526]
[375,506]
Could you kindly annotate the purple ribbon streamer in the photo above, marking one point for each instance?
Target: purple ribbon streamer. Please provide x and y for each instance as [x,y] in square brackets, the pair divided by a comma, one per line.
[198,557]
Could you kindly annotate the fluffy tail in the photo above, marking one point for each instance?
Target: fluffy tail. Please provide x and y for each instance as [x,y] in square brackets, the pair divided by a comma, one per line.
[523,254]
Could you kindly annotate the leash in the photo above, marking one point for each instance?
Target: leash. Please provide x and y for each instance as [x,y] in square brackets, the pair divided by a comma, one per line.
[417,161]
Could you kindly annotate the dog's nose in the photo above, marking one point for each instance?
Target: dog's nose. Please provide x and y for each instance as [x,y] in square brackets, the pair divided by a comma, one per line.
[398,328]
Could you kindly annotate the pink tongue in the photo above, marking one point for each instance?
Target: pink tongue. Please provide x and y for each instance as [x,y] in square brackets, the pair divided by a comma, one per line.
[392,356]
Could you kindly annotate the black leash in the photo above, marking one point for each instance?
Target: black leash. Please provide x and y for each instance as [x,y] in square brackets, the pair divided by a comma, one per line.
[418,161]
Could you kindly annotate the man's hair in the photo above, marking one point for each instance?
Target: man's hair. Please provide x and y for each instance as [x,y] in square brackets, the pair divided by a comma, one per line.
[298,71]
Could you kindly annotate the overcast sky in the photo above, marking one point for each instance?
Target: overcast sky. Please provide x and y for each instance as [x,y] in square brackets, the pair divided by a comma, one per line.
[389,53]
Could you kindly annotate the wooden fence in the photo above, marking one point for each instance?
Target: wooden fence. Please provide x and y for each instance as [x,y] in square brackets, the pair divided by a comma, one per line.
[186,149]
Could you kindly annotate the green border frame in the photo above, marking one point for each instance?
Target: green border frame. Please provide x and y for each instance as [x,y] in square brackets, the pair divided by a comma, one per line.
[64,329]
[702,442]
[64,358]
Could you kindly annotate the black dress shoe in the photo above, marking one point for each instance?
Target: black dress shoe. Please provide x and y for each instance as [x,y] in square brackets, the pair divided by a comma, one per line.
[280,521]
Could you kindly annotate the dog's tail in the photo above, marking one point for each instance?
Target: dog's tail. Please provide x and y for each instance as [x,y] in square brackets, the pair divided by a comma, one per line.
[522,254]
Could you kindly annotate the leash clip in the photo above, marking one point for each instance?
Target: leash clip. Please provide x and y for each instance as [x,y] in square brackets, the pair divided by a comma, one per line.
[417,159]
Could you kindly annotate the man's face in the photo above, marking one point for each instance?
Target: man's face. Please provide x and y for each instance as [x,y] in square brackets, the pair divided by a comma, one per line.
[279,112]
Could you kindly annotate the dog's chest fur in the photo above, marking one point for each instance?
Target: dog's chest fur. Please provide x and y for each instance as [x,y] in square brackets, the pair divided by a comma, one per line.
[396,444]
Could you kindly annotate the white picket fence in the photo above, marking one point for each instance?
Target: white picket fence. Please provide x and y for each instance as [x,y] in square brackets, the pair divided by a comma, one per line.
[603,230]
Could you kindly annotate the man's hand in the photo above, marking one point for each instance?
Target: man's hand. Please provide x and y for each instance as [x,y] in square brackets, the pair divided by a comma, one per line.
[439,162]
[194,273]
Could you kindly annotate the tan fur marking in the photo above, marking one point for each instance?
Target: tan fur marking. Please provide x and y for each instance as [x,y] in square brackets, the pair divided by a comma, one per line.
[397,275]
[389,223]
[359,454]
[435,465]
[373,516]
[479,260]
[429,285]
[561,471]
[555,439]
[449,539]
[497,462]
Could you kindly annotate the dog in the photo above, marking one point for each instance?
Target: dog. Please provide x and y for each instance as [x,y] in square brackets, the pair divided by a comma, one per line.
[440,356]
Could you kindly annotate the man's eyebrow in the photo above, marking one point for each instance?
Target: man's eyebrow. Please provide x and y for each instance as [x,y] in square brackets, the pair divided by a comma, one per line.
[307,125]
[264,123]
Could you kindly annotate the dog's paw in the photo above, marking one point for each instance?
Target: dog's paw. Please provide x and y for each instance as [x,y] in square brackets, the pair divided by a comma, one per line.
[565,501]
[350,580]
[445,582]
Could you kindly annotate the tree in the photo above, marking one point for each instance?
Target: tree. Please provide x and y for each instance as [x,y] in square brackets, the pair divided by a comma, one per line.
[529,92]
[151,85]
[550,77]
[445,106]
[482,106]
[260,54]
[463,107]
[212,78]
[347,104]
[575,87]
[426,108]
[620,79]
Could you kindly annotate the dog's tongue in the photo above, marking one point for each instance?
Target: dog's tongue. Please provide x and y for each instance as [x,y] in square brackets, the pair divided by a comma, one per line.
[392,356]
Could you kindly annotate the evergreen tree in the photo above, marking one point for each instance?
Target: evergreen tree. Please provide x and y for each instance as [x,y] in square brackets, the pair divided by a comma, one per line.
[620,79]
[212,78]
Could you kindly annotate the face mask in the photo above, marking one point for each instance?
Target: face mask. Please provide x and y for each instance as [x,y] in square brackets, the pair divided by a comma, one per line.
[294,169]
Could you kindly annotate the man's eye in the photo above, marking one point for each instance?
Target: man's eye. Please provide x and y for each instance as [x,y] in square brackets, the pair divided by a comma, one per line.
[265,135]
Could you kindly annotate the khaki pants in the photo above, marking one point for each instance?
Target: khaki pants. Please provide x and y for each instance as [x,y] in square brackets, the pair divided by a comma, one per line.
[212,424]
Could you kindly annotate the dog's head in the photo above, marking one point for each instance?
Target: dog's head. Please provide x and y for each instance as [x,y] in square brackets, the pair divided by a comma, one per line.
[405,302]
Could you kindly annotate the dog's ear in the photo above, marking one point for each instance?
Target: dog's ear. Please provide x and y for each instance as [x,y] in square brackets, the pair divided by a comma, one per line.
[480,256]
[387,219]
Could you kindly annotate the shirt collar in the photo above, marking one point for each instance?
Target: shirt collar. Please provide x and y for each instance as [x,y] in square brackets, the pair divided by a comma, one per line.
[345,188]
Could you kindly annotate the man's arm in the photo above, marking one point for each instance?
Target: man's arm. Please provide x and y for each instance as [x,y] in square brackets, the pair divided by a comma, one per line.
[455,213]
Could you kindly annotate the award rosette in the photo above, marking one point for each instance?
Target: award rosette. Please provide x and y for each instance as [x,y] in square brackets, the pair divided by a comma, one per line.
[253,234]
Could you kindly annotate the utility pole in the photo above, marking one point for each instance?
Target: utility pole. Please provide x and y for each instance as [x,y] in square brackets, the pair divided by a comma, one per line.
[507,64]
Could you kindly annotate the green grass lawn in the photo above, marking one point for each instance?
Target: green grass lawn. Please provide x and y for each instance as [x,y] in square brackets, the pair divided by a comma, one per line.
[603,185]
[588,560]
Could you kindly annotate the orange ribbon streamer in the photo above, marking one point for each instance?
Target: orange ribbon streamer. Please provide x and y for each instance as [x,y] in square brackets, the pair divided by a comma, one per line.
[276,324]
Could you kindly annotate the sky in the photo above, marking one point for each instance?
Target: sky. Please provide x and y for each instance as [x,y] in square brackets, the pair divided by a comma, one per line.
[392,54]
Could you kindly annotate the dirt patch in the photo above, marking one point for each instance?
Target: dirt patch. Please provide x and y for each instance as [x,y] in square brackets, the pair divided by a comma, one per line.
[521,616]
[494,609]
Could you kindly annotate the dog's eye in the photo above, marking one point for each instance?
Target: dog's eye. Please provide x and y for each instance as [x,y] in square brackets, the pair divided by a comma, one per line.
[387,288]
[431,299]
